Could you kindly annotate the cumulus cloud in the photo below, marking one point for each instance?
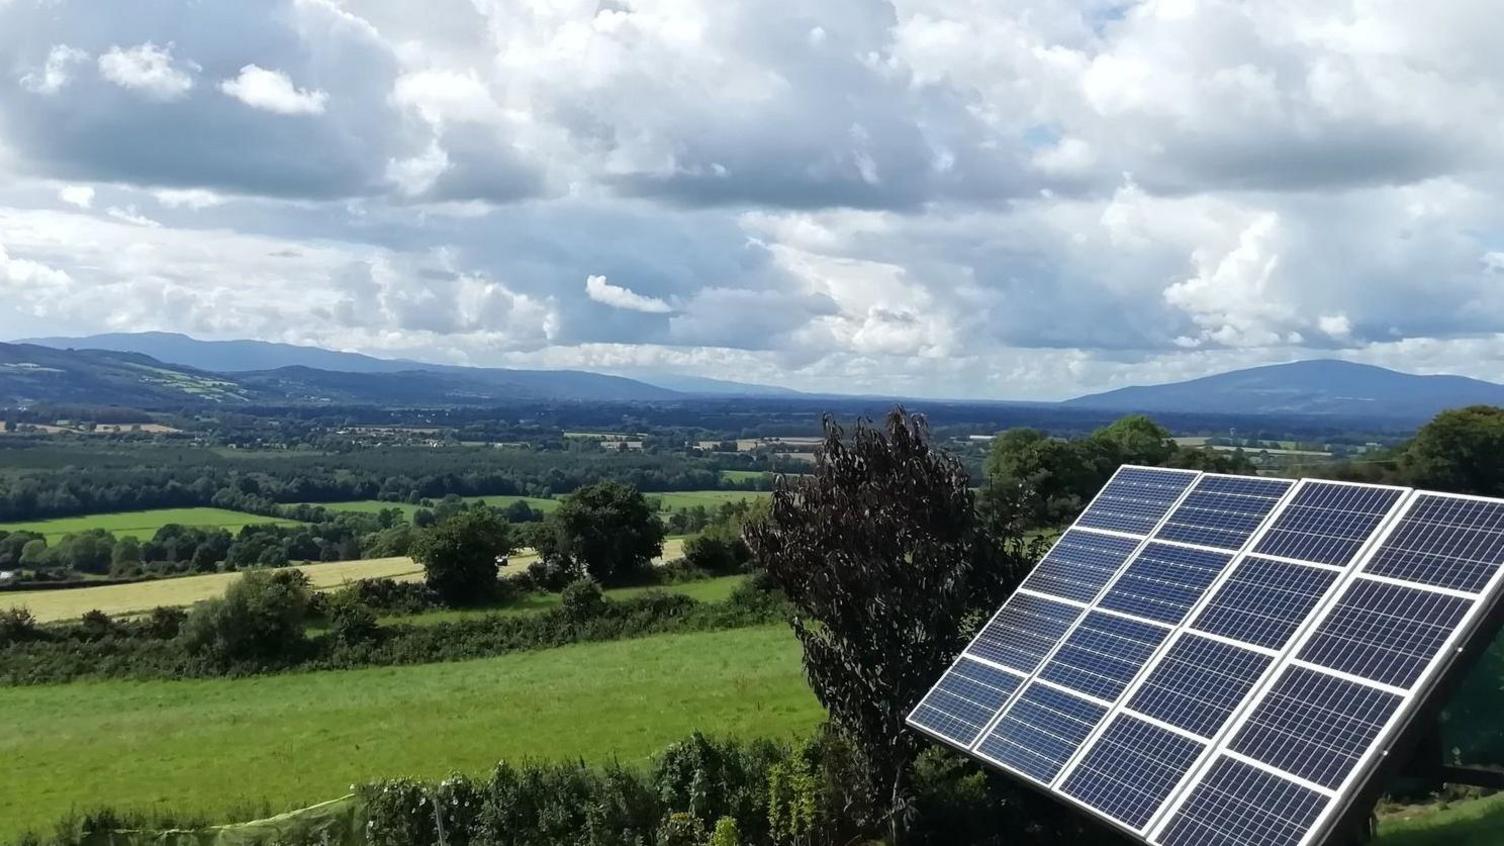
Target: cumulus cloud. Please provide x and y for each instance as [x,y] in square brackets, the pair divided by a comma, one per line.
[146,68]
[76,195]
[602,291]
[272,91]
[193,198]
[56,72]
[1109,192]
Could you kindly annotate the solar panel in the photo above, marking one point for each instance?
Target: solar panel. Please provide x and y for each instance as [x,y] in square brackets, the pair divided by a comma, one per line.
[1164,581]
[1328,522]
[1223,511]
[1249,652]
[1136,499]
[1079,564]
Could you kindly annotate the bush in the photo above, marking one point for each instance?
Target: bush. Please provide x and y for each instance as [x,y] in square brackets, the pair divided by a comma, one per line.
[259,621]
[97,625]
[717,555]
[17,625]
[351,622]
[163,623]
[460,555]
[582,599]
[552,573]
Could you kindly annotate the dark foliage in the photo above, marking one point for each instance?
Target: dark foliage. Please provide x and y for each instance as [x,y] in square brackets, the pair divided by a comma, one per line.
[607,531]
[460,556]
[885,561]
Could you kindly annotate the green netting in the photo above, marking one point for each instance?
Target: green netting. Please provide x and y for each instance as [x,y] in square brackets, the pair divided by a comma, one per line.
[338,822]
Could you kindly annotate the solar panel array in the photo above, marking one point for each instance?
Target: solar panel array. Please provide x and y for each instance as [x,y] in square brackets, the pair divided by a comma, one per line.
[1222,660]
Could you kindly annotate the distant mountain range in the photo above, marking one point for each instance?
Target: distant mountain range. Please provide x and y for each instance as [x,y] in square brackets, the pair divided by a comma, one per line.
[312,374]
[1324,387]
[155,369]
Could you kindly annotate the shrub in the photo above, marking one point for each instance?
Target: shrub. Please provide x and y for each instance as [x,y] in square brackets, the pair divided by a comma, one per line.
[260,620]
[717,555]
[17,625]
[97,625]
[163,623]
[582,599]
[553,573]
[351,623]
[727,833]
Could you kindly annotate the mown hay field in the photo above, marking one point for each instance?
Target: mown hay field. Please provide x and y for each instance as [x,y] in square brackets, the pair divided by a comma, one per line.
[209,746]
[124,600]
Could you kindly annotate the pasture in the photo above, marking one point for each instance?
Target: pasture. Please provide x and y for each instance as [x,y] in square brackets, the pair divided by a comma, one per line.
[376,506]
[679,500]
[299,738]
[143,524]
[124,600]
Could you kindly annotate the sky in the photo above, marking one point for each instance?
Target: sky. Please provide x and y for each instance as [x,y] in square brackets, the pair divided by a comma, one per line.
[932,198]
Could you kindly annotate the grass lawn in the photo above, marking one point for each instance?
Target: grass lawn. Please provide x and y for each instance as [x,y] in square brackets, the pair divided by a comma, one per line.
[296,739]
[1478,822]
[124,600]
[142,524]
[705,590]
[375,506]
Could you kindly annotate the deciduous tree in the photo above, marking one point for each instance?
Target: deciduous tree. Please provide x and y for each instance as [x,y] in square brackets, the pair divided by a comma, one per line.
[883,556]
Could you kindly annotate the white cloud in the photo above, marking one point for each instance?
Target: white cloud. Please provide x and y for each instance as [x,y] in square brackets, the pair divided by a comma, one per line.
[273,91]
[146,68]
[56,72]
[193,198]
[598,289]
[77,195]
[130,215]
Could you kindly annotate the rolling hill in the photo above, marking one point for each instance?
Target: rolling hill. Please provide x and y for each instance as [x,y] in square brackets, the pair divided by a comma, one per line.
[1323,387]
[31,374]
[262,357]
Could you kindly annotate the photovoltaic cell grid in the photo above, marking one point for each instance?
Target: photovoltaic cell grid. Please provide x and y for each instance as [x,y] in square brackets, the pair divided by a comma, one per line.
[1328,523]
[1223,511]
[1332,700]
[1028,627]
[1382,640]
[1136,499]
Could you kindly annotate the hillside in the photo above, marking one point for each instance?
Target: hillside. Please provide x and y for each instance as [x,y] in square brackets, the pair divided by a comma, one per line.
[31,374]
[1324,387]
[256,357]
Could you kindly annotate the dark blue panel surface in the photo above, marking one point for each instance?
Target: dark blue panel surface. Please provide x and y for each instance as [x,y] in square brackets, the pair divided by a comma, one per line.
[1080,564]
[1384,632]
[1024,631]
[1327,523]
[1314,726]
[1444,541]
[968,696]
[1223,511]
[1040,731]
[1103,655]
[1131,769]
[1136,500]
[1198,683]
[1163,582]
[1264,601]
[1239,805]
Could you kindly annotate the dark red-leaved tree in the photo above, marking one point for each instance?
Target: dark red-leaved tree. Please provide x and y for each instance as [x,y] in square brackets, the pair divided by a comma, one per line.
[889,565]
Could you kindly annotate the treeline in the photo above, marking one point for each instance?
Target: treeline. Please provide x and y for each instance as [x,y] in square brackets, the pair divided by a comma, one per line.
[1048,481]
[1459,451]
[183,477]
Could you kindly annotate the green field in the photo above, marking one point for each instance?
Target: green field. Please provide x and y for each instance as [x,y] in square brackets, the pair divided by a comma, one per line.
[376,506]
[704,590]
[743,475]
[677,500]
[299,738]
[1478,822]
[143,524]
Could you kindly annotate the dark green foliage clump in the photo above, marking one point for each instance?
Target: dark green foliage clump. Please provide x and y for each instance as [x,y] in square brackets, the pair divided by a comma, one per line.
[606,531]
[460,555]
